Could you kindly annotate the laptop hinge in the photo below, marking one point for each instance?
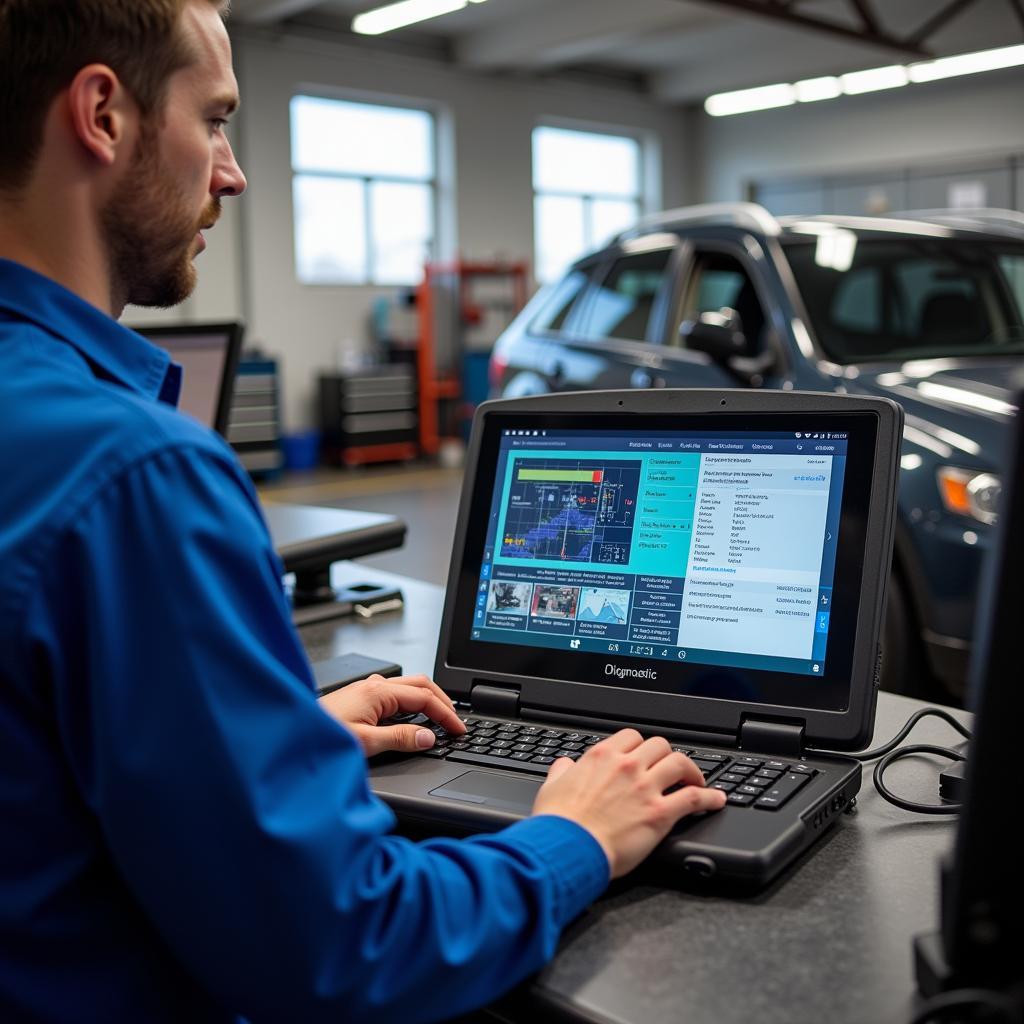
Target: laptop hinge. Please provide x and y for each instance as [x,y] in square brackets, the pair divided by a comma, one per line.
[783,738]
[494,700]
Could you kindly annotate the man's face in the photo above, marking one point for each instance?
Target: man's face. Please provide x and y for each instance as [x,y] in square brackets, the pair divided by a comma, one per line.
[181,167]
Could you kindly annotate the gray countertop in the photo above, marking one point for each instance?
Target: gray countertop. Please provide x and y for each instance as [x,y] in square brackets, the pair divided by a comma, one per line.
[830,940]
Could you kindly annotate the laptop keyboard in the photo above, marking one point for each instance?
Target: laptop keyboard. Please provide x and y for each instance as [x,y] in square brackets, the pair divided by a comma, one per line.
[749,781]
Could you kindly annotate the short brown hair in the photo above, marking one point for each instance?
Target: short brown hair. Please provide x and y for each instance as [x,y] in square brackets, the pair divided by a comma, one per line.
[44,44]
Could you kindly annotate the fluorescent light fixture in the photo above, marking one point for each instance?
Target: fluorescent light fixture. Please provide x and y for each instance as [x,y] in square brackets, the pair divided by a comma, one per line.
[966,64]
[891,77]
[405,12]
[810,90]
[745,100]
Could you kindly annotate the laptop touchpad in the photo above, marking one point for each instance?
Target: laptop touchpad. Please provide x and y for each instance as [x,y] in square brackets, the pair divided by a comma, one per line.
[500,791]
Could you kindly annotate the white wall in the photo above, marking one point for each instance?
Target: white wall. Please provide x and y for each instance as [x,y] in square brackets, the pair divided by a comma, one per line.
[488,120]
[940,122]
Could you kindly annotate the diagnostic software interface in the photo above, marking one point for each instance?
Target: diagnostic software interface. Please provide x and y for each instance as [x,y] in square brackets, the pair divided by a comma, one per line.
[708,548]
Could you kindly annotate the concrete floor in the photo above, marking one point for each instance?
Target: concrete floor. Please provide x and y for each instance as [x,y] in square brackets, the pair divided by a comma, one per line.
[423,495]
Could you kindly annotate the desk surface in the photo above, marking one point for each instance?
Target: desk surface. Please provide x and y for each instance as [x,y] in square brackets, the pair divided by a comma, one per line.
[829,941]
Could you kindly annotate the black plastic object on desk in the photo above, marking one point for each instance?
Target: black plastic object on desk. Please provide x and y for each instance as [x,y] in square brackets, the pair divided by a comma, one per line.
[309,540]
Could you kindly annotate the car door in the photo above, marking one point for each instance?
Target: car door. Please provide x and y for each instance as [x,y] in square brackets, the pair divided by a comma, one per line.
[717,277]
[609,340]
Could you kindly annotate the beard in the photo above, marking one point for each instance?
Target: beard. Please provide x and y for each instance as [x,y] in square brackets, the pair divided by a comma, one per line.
[150,230]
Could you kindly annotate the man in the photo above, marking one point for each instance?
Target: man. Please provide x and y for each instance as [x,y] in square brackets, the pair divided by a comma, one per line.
[187,834]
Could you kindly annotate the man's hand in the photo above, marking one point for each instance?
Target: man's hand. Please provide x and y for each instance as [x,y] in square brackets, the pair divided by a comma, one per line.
[360,706]
[616,791]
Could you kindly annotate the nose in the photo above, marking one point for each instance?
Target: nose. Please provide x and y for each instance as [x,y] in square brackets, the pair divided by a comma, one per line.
[227,178]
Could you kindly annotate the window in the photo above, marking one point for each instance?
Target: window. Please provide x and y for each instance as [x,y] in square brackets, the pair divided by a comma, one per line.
[912,298]
[586,189]
[621,307]
[363,191]
[720,282]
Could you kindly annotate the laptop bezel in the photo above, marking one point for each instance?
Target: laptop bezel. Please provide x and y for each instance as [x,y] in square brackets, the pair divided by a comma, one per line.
[840,730]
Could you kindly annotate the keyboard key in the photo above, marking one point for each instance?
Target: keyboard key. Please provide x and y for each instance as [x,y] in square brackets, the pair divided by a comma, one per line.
[707,756]
[553,734]
[731,777]
[530,748]
[591,740]
[754,762]
[478,748]
[762,780]
[435,752]
[707,767]
[572,746]
[522,755]
[741,769]
[750,790]
[542,760]
[776,766]
[725,787]
[487,760]
[739,799]
[498,744]
[575,755]
[782,790]
[530,730]
[801,769]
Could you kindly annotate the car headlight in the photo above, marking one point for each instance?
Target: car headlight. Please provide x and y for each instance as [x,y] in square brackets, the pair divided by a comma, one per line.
[970,494]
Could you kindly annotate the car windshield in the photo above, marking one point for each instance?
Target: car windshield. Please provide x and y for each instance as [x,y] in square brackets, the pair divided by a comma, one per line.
[909,297]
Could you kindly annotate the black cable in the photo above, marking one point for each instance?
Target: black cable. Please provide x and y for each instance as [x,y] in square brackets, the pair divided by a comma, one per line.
[996,1008]
[889,753]
[916,717]
[911,805]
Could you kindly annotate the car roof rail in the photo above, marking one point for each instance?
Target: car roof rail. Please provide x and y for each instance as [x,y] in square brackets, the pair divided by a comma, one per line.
[972,218]
[740,215]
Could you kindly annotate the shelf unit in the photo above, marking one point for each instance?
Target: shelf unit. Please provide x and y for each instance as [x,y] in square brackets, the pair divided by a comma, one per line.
[254,425]
[369,415]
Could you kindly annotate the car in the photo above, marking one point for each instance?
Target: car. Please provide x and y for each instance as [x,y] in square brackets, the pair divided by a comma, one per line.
[925,308]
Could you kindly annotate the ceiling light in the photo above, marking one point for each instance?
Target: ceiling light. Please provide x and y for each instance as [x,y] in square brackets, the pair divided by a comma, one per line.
[891,77]
[745,100]
[810,90]
[967,64]
[406,12]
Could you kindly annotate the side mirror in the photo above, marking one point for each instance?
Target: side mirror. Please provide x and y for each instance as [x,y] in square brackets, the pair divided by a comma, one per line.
[719,334]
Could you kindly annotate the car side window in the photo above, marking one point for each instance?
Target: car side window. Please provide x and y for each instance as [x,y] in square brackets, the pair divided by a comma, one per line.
[719,282]
[621,306]
[555,311]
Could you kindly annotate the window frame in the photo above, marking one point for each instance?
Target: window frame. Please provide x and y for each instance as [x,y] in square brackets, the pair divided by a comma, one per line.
[692,249]
[641,197]
[366,181]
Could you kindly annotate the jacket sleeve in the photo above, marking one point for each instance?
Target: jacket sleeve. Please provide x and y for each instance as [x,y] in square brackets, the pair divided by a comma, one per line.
[238,812]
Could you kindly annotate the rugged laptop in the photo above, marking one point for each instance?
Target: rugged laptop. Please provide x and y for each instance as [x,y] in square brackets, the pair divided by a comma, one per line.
[709,566]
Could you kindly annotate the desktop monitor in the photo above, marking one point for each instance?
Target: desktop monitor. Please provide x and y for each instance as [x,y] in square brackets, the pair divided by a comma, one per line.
[208,355]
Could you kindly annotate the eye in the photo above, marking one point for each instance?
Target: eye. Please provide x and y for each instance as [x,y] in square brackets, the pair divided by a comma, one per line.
[218,124]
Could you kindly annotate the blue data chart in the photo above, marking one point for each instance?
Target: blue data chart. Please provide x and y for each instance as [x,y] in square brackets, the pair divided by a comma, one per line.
[571,510]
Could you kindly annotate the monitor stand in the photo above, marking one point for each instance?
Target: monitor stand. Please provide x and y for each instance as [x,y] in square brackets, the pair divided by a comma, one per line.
[315,600]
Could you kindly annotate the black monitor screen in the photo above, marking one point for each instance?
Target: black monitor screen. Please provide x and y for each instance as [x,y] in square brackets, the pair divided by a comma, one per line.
[208,356]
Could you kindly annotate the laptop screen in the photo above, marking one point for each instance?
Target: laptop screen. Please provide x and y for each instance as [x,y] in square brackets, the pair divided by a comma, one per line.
[678,556]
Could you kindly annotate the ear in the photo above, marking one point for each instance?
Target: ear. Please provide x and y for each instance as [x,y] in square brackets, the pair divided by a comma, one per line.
[103,114]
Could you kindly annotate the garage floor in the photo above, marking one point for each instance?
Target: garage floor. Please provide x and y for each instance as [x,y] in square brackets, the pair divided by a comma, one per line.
[425,496]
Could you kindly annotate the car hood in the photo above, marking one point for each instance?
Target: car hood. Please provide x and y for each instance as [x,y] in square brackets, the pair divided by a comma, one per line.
[959,409]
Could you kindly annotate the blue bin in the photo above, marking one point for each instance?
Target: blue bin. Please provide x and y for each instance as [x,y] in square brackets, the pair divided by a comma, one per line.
[302,450]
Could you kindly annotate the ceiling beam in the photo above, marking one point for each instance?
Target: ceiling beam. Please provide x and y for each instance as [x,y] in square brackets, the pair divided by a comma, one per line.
[873,37]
